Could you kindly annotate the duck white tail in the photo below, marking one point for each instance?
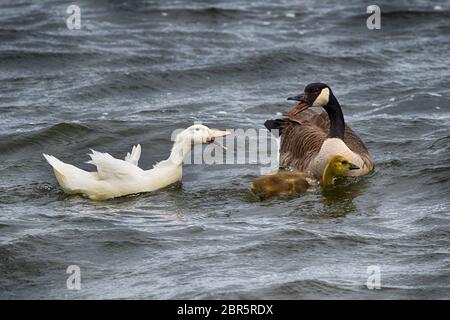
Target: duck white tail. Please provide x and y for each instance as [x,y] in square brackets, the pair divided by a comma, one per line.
[134,156]
[69,177]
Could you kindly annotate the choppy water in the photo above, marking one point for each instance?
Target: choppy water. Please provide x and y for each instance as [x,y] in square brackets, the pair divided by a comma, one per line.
[137,70]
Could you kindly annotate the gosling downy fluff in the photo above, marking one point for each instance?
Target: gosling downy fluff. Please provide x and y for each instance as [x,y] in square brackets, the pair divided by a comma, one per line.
[291,182]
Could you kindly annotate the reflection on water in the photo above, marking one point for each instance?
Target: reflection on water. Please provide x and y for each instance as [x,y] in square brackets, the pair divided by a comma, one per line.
[345,189]
[338,199]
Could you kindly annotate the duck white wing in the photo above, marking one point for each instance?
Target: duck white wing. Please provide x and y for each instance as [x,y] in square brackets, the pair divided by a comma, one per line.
[134,156]
[110,168]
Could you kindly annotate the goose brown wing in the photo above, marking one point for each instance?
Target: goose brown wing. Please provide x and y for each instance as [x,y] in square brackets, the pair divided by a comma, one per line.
[354,142]
[321,120]
[304,134]
[302,139]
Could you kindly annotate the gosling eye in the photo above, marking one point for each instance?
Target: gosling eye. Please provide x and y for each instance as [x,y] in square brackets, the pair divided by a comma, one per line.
[344,162]
[197,129]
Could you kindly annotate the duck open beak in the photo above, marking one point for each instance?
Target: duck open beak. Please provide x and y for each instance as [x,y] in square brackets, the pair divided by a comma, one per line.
[302,105]
[213,134]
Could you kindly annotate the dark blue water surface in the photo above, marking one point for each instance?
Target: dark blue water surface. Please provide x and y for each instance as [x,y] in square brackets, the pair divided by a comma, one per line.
[137,70]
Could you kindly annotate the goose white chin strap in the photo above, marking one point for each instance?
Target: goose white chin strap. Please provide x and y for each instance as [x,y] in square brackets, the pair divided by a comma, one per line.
[322,99]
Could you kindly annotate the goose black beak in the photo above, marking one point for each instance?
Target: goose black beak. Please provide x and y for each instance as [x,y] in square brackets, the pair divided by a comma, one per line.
[301,106]
[353,167]
[300,97]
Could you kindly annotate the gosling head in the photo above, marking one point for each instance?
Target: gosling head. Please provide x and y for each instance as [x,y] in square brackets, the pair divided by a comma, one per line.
[337,166]
[340,166]
[316,95]
[198,134]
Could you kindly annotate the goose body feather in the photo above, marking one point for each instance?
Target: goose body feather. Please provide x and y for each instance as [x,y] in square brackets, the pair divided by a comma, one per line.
[305,145]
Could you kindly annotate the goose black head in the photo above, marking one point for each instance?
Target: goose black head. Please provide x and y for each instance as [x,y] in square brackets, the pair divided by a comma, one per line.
[316,95]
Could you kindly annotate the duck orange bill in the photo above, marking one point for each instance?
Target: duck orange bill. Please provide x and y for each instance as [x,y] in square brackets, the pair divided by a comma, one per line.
[299,108]
[215,134]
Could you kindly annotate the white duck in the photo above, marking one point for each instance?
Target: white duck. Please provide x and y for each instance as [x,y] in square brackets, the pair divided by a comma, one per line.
[115,177]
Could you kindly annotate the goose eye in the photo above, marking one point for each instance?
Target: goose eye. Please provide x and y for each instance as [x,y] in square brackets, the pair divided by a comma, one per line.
[317,90]
[197,129]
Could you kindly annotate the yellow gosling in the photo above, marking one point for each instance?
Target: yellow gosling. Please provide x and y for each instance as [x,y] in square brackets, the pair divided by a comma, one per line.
[291,182]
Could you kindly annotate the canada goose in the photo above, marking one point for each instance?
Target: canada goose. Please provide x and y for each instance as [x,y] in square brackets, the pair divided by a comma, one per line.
[115,177]
[289,182]
[309,139]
